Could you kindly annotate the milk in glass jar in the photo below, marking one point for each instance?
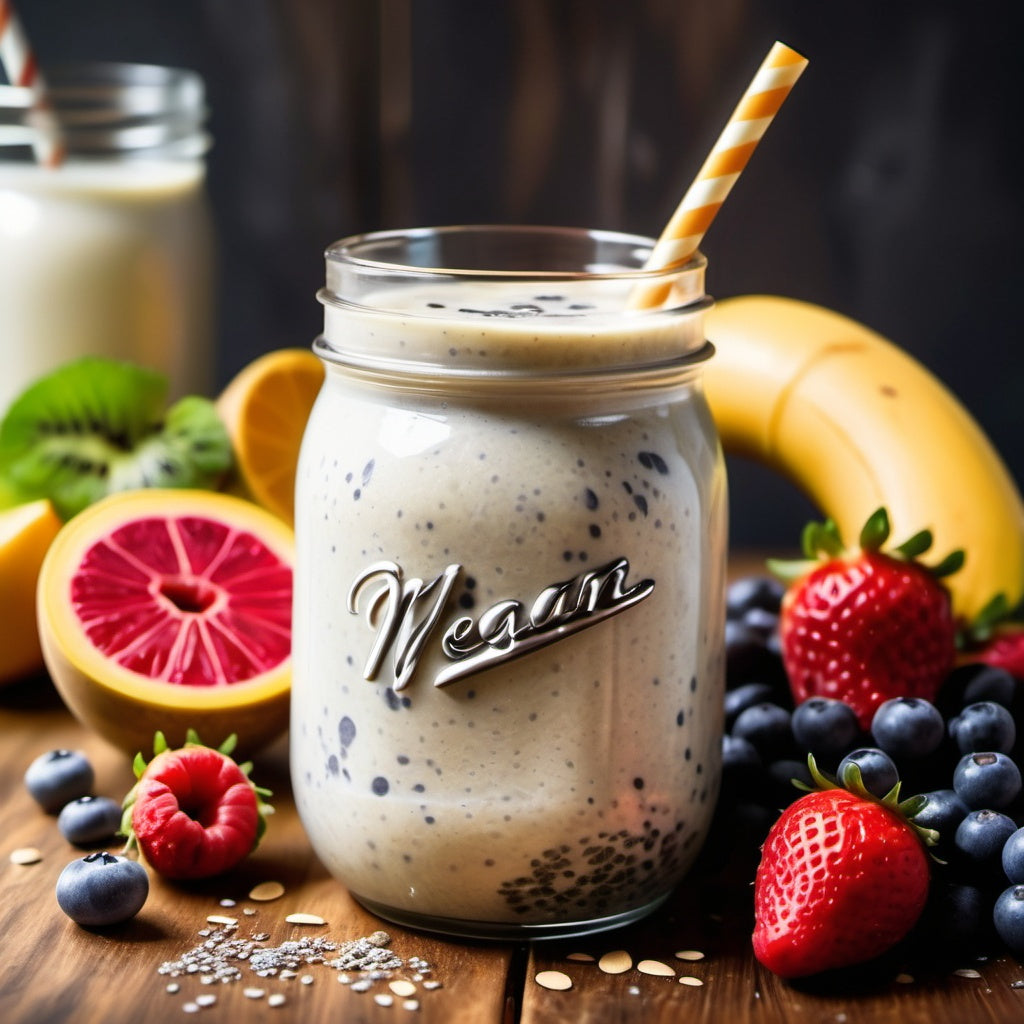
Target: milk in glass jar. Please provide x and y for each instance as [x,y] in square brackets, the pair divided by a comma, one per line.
[508,626]
[111,253]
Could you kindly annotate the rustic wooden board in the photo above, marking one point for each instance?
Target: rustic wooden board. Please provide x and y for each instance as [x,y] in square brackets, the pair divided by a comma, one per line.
[51,970]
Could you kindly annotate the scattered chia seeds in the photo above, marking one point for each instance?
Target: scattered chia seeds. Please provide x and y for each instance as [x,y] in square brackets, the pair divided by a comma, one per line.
[222,955]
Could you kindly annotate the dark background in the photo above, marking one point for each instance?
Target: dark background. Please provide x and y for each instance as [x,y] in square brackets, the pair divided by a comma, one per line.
[888,188]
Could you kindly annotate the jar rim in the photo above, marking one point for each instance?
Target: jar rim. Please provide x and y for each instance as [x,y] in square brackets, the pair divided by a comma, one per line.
[113,108]
[356,252]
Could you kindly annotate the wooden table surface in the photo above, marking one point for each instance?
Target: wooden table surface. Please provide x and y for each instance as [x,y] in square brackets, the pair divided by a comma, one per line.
[52,970]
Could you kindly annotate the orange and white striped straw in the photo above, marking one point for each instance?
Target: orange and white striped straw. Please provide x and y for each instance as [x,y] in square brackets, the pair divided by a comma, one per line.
[19,62]
[749,121]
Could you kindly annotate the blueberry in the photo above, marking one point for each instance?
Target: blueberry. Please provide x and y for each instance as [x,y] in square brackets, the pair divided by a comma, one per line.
[981,836]
[1013,857]
[57,777]
[764,592]
[826,727]
[761,621]
[943,811]
[102,888]
[987,779]
[1008,917]
[983,725]
[956,920]
[908,727]
[877,769]
[741,767]
[767,727]
[989,682]
[781,776]
[89,819]
[747,656]
[745,696]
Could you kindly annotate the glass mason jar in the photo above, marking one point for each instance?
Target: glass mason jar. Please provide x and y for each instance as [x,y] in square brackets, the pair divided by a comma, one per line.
[109,253]
[508,625]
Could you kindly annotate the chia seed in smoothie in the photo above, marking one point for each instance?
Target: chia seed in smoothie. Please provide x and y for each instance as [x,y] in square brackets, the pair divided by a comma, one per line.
[507,700]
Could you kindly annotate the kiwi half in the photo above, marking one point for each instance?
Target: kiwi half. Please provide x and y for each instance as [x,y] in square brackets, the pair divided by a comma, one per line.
[95,426]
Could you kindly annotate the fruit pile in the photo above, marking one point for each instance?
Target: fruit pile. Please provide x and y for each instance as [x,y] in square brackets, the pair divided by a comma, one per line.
[146,547]
[193,813]
[848,683]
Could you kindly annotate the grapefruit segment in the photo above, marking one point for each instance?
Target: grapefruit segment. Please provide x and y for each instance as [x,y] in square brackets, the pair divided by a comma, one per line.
[171,610]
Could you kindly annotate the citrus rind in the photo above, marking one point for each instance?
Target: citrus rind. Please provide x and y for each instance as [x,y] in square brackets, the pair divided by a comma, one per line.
[26,531]
[125,707]
[265,408]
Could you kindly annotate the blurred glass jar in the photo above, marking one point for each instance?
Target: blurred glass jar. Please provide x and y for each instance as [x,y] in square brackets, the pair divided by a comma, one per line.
[111,252]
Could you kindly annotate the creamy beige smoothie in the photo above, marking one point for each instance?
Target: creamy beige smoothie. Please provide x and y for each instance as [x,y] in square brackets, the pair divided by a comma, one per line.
[508,668]
[108,259]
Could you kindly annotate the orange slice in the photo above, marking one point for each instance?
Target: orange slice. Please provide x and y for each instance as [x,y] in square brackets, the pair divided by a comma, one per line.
[25,533]
[169,610]
[265,408]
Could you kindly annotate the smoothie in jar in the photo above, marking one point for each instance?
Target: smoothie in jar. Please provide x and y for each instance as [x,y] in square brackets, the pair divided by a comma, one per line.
[510,519]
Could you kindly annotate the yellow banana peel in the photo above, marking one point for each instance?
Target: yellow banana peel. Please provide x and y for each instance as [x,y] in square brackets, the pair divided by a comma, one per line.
[855,422]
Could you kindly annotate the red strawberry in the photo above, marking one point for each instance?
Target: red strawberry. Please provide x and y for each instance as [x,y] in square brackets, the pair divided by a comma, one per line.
[1005,649]
[996,637]
[194,812]
[843,877]
[864,625]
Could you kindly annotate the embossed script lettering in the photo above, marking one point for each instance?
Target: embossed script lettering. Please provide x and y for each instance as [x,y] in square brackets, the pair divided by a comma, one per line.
[406,613]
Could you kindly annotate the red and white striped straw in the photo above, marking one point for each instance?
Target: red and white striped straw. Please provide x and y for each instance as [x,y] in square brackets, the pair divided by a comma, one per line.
[749,121]
[19,62]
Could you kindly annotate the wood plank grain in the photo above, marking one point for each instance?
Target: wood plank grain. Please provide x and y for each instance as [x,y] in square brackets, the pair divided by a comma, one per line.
[712,912]
[52,970]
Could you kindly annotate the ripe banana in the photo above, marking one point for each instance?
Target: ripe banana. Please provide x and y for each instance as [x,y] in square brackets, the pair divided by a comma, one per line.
[855,422]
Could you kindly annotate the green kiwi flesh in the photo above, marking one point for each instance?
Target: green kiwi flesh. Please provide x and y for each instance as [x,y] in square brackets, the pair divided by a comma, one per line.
[95,426]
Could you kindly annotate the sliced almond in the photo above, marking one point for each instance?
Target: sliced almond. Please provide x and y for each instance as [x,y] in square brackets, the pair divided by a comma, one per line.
[689,954]
[656,968]
[554,980]
[266,891]
[402,988]
[26,855]
[687,979]
[305,919]
[618,961]
[585,958]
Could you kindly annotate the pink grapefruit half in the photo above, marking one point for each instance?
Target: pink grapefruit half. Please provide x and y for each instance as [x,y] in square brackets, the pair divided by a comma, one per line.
[169,610]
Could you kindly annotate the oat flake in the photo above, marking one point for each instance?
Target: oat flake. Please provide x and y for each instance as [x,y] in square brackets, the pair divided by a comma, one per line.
[554,980]
[616,962]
